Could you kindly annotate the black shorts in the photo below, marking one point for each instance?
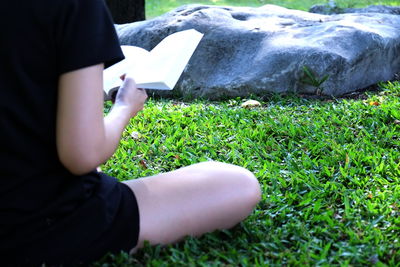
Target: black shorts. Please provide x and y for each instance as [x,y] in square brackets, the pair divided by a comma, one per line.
[122,235]
[69,248]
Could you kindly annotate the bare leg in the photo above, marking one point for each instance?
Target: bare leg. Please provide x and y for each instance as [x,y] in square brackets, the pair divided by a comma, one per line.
[193,200]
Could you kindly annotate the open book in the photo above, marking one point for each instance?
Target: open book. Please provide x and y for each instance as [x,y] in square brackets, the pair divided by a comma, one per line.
[158,69]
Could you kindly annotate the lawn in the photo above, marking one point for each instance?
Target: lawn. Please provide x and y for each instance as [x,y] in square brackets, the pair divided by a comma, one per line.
[329,169]
[158,7]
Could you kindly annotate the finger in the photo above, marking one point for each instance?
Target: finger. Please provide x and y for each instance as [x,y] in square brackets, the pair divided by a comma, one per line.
[129,80]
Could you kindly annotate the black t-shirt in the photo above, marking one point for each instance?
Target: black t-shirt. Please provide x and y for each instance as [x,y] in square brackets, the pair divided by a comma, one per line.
[40,40]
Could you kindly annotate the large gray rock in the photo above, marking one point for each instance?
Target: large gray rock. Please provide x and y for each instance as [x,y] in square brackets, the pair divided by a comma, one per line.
[261,50]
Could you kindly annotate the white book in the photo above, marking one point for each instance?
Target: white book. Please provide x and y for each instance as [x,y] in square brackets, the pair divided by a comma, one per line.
[158,69]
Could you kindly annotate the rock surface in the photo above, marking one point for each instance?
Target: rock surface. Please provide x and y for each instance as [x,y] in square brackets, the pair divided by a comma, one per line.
[249,51]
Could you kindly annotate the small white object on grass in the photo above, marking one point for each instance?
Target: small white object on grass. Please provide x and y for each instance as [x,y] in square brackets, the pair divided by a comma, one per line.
[251,104]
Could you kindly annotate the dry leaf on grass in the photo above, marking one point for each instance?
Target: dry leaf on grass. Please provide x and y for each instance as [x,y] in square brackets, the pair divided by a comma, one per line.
[143,163]
[374,103]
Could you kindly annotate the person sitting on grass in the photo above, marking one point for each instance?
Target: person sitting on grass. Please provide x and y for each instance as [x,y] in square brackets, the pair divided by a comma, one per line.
[55,207]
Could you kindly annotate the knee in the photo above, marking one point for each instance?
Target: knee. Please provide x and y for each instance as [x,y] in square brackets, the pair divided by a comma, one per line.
[242,180]
[249,185]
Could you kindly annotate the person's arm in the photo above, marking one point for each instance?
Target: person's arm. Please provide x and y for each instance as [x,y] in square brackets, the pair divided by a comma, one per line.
[85,139]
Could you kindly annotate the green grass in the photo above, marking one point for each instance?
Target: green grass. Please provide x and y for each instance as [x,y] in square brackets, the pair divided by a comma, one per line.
[158,7]
[329,169]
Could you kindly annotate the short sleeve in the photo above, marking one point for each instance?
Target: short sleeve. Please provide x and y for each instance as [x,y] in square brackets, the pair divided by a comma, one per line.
[85,35]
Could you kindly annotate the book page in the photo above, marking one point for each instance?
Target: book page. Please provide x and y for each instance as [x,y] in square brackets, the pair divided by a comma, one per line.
[172,54]
[135,59]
